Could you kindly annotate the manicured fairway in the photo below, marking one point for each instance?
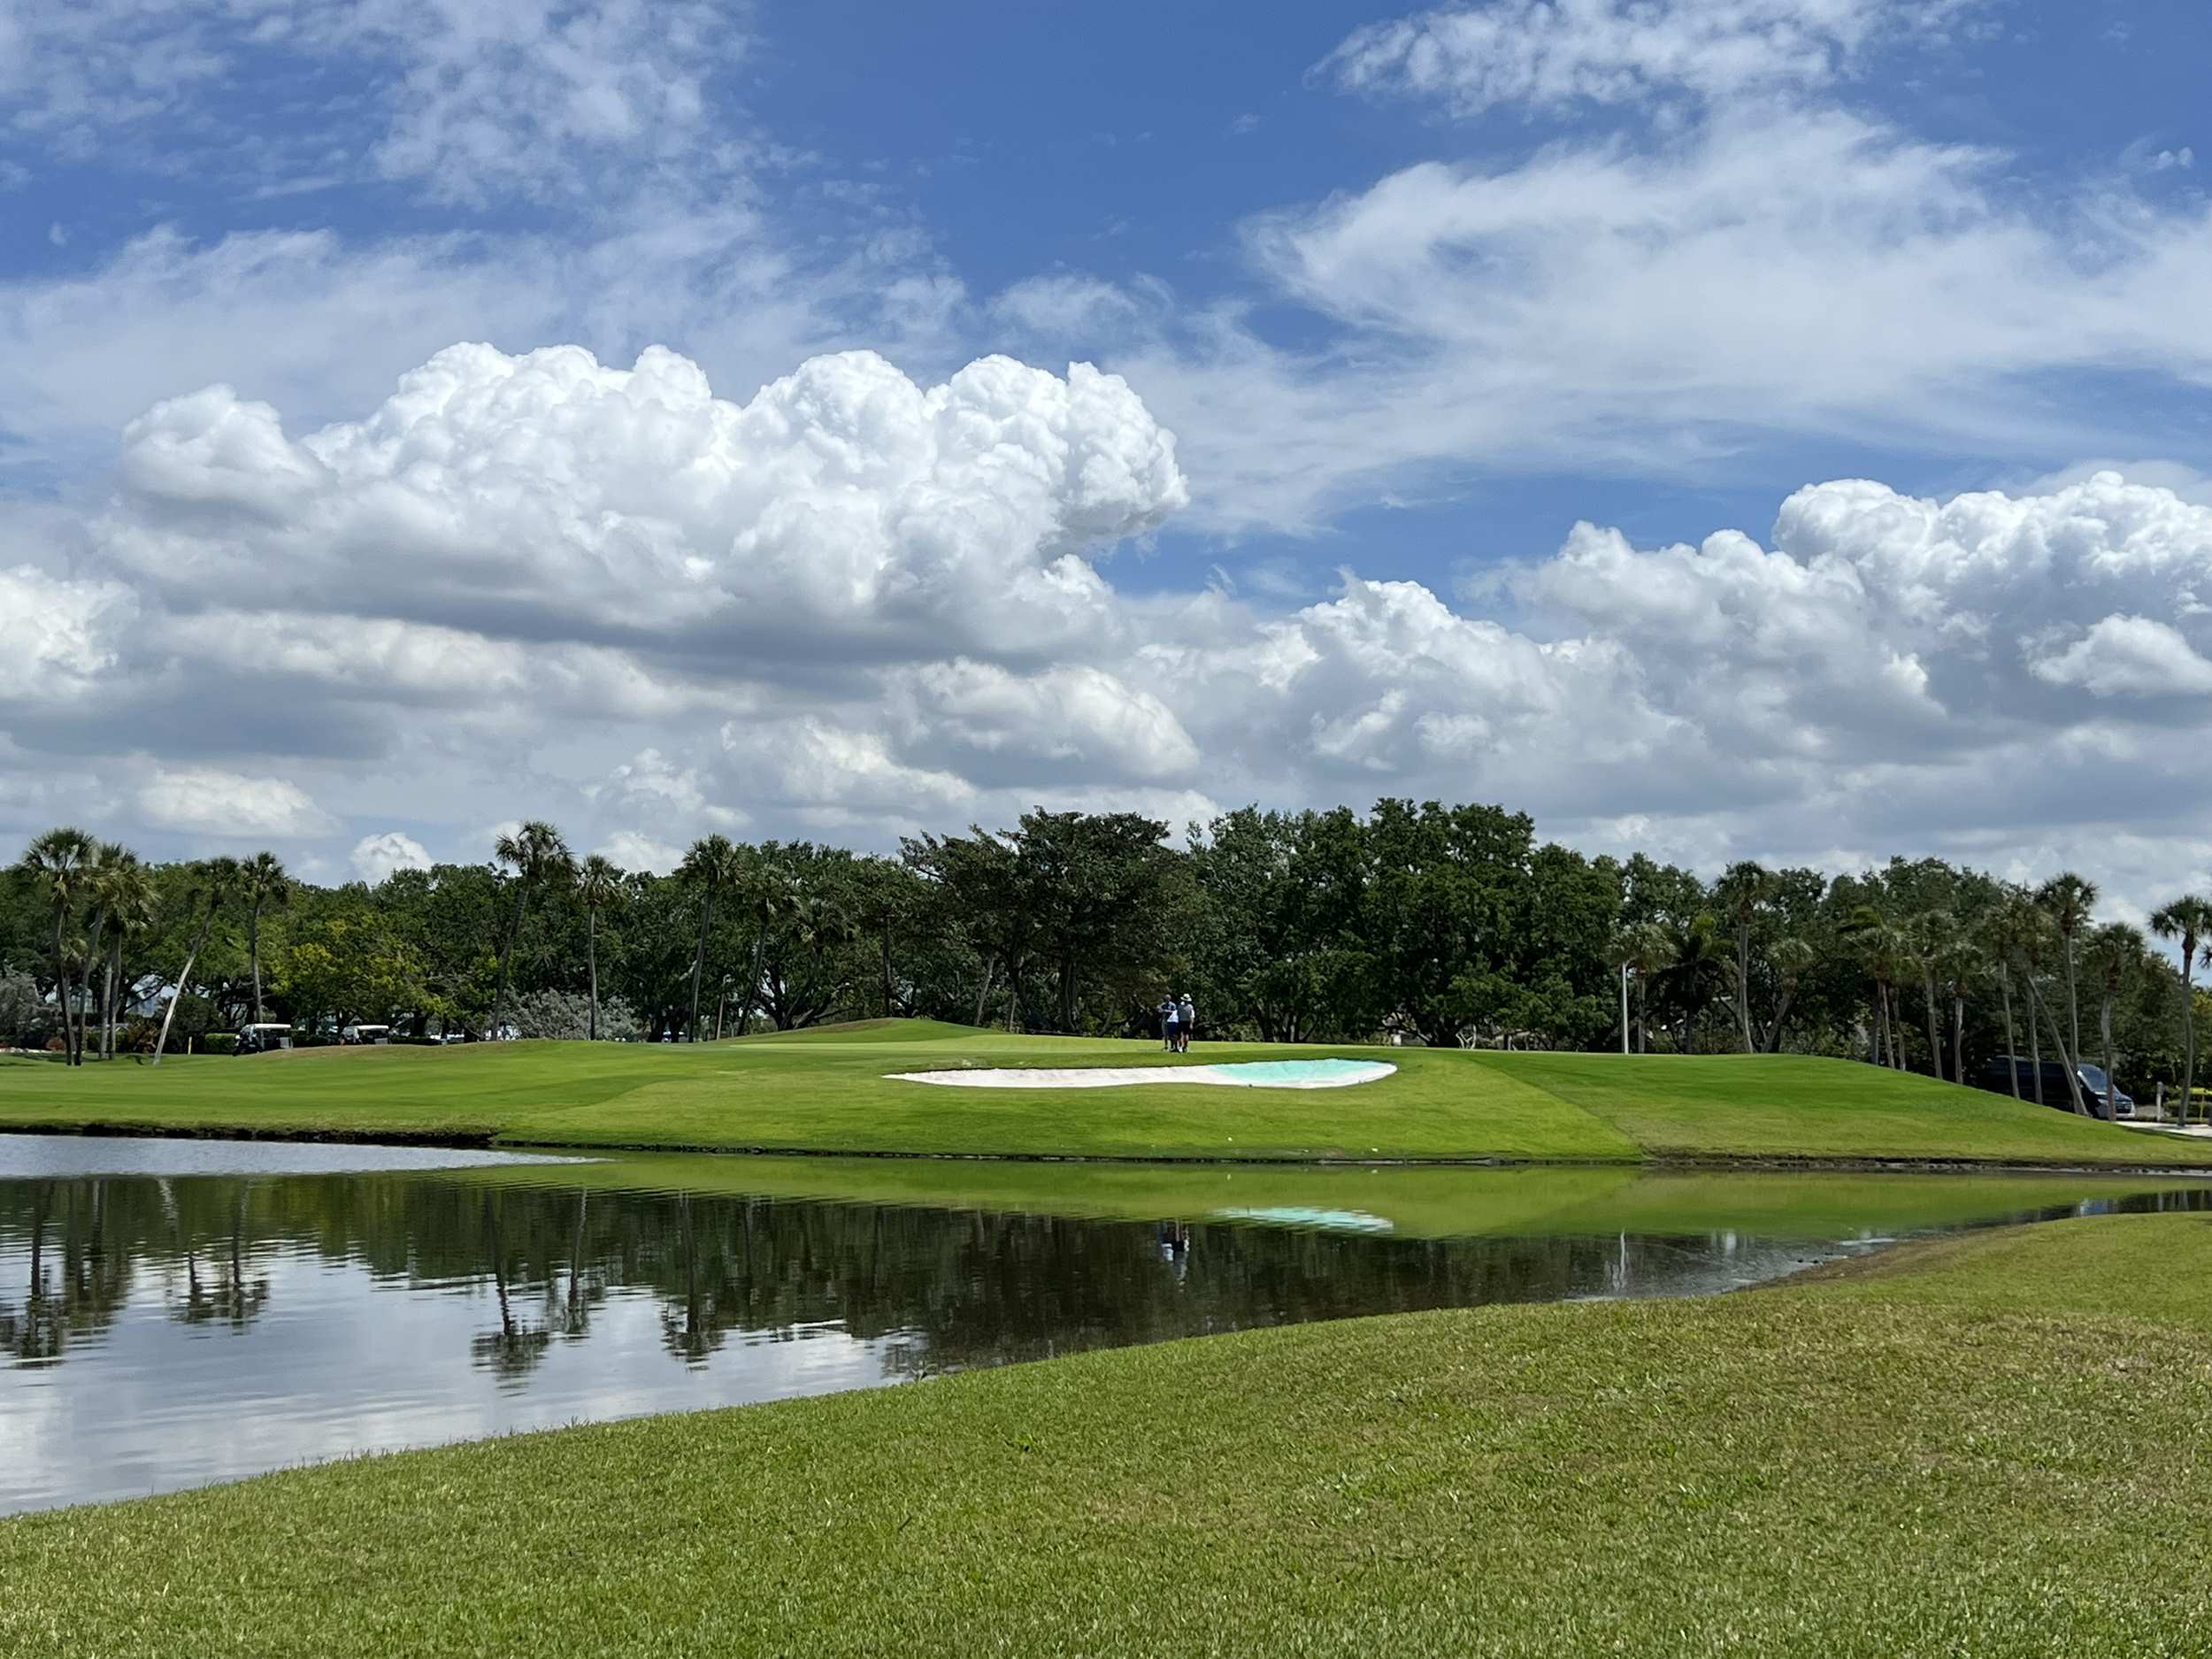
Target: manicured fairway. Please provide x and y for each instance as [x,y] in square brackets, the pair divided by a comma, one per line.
[1990,1446]
[829,1091]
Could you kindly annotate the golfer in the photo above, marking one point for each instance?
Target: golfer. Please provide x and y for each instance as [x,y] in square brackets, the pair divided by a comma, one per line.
[1186,1022]
[1169,1014]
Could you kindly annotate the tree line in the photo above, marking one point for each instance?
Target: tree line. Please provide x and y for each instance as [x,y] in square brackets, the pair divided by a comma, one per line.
[1445,925]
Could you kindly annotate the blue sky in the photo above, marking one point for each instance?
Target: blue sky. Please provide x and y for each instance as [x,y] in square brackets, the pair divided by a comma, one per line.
[1415,294]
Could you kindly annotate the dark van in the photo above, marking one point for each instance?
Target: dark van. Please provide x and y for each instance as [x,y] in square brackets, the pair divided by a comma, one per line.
[2097,1090]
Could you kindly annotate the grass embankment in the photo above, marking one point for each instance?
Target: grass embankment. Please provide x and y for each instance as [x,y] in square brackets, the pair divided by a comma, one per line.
[1988,1445]
[1418,1201]
[828,1092]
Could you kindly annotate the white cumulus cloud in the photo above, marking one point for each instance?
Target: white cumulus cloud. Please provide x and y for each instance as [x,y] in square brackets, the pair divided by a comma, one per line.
[634,849]
[205,801]
[2129,656]
[554,494]
[57,635]
[376,856]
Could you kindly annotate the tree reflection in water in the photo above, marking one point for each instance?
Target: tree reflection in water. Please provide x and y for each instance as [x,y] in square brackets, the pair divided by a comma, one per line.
[939,1290]
[229,1297]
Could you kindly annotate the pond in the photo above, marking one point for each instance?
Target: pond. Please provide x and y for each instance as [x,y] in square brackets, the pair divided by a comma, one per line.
[173,1313]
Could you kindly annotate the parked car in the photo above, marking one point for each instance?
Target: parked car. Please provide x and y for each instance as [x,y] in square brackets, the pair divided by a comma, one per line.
[2097,1093]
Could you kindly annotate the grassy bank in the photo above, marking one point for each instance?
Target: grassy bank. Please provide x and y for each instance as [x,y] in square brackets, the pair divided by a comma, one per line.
[1988,1445]
[1419,1202]
[828,1092]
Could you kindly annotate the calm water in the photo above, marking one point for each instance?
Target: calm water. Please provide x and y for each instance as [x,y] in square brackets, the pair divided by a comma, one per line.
[176,1313]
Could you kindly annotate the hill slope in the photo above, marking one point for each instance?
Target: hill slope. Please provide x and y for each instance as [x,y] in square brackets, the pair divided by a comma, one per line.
[831,1091]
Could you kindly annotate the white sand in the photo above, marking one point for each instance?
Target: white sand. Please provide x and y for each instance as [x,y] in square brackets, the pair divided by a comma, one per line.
[1345,1076]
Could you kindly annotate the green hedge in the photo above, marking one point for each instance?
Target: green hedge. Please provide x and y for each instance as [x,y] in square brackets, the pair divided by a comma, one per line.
[219,1043]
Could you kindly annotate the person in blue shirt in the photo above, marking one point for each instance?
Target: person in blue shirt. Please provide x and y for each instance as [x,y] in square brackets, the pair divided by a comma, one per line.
[1168,1012]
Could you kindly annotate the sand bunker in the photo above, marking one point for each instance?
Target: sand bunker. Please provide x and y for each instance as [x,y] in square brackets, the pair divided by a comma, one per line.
[1252,1074]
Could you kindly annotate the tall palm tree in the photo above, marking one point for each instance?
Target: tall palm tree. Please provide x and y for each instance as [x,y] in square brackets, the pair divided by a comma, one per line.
[2039,939]
[106,855]
[2002,935]
[1742,891]
[1928,937]
[1620,951]
[712,863]
[264,885]
[1959,968]
[60,861]
[598,885]
[2067,899]
[133,915]
[1650,953]
[128,909]
[768,896]
[214,883]
[2115,956]
[2189,919]
[1884,948]
[539,857]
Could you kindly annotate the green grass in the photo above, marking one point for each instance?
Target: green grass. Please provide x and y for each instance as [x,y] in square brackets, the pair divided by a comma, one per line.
[1419,1202]
[1974,1448]
[827,1092]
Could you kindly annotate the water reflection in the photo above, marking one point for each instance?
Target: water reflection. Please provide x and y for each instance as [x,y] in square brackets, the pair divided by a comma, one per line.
[145,1319]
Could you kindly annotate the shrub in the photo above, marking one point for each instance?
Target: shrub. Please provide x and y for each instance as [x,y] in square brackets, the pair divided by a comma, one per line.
[566,1015]
[219,1043]
[24,1015]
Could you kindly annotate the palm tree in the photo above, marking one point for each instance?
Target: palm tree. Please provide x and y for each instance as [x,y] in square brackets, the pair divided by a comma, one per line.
[105,857]
[2037,936]
[1743,889]
[1884,948]
[134,911]
[2067,899]
[214,882]
[538,856]
[262,884]
[2189,919]
[129,908]
[769,895]
[2003,934]
[60,861]
[1928,937]
[1959,967]
[1650,952]
[2114,957]
[713,862]
[1620,950]
[598,885]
